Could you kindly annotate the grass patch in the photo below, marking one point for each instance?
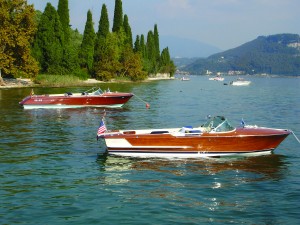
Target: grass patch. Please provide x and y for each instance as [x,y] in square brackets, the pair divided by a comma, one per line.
[57,80]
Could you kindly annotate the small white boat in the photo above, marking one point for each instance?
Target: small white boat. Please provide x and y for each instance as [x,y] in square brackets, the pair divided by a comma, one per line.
[240,82]
[185,79]
[217,78]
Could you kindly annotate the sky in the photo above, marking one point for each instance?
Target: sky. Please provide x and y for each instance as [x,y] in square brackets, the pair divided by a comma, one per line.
[224,24]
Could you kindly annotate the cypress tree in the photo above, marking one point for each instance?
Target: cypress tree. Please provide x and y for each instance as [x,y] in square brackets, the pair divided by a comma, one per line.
[63,12]
[48,44]
[137,45]
[165,57]
[103,28]
[166,64]
[150,46]
[127,30]
[149,62]
[103,31]
[143,47]
[86,52]
[156,42]
[118,16]
[70,54]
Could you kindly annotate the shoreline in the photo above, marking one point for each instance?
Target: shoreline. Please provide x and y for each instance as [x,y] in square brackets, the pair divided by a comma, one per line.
[23,83]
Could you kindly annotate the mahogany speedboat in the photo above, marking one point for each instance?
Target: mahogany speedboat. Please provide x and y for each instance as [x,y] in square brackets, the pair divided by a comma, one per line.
[90,98]
[215,138]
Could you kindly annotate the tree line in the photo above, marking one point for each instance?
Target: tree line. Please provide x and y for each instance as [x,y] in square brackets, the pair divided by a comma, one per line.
[35,42]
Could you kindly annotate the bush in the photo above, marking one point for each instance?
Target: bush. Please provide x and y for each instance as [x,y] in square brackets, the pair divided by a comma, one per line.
[57,80]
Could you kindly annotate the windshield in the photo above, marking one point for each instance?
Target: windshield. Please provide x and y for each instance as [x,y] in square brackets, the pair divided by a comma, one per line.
[218,124]
[98,92]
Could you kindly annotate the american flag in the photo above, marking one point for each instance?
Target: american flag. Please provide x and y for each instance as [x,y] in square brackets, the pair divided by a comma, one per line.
[102,128]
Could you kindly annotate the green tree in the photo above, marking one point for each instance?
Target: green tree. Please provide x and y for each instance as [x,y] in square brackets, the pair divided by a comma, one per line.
[156,42]
[127,30]
[70,62]
[143,51]
[151,52]
[37,16]
[76,39]
[132,65]
[166,64]
[165,57]
[118,16]
[17,23]
[103,28]
[48,44]
[104,55]
[137,44]
[143,47]
[107,65]
[103,31]
[63,12]
[86,53]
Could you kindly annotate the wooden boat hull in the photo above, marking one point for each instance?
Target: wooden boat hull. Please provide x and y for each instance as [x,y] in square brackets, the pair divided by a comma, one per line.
[242,141]
[108,100]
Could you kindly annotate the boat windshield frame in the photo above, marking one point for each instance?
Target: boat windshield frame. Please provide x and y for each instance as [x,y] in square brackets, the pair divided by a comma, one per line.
[98,92]
[218,124]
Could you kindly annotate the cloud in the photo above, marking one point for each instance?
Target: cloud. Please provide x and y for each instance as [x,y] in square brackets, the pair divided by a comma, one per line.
[174,8]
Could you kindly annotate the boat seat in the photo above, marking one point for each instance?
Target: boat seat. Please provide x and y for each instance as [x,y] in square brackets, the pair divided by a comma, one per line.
[193,131]
[188,130]
[159,132]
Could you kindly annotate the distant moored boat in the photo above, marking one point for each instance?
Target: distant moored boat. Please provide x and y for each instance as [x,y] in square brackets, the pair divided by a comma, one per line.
[240,82]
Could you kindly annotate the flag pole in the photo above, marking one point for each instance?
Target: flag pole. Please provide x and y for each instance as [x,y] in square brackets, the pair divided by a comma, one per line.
[104,114]
[102,127]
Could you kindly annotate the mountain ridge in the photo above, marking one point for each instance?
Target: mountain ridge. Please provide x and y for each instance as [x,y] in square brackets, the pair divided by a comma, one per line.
[274,54]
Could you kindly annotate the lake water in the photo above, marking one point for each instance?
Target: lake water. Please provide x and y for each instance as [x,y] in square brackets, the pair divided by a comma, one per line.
[52,170]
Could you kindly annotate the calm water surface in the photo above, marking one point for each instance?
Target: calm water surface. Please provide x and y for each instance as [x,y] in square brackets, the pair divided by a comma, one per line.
[52,170]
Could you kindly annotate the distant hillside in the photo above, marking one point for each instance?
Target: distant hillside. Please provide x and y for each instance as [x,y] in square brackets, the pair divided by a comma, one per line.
[275,54]
[182,47]
[183,62]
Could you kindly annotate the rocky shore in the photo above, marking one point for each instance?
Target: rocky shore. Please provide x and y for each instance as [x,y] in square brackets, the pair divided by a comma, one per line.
[12,83]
